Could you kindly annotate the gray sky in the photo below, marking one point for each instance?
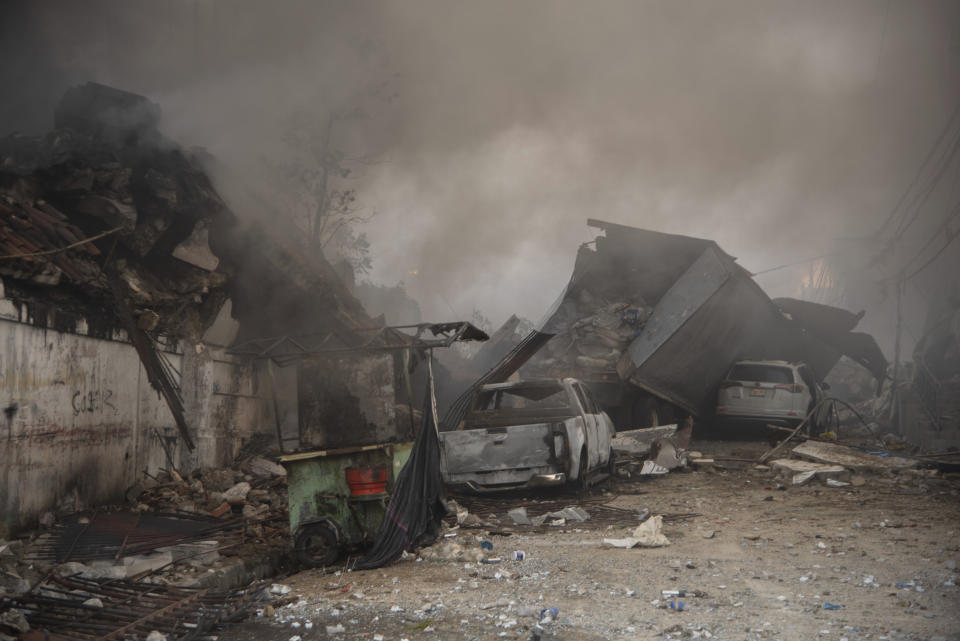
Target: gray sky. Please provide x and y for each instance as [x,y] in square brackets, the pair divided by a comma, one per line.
[775,128]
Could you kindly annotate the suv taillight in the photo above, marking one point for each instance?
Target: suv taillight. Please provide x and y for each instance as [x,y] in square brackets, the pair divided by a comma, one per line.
[796,388]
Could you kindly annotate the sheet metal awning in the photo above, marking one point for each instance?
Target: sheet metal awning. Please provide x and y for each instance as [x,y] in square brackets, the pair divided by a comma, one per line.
[286,349]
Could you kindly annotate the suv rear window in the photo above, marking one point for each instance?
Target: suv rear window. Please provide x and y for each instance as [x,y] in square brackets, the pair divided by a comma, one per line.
[761,373]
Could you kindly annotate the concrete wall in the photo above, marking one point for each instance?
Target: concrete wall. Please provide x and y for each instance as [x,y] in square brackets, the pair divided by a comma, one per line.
[81,422]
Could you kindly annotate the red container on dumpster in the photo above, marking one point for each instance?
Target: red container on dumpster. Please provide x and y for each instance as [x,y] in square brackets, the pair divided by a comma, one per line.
[367,480]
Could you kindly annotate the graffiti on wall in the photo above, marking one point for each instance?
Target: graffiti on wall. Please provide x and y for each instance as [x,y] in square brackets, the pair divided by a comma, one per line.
[95,401]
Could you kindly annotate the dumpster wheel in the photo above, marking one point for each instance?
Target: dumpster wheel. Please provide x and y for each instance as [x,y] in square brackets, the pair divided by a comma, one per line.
[317,544]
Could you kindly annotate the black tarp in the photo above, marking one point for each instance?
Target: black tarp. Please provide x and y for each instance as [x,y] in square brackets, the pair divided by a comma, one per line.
[833,327]
[417,502]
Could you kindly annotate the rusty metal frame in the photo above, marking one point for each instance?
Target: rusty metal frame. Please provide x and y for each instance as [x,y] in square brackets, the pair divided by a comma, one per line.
[286,349]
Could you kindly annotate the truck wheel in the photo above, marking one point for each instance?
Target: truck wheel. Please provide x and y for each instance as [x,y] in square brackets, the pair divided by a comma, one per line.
[317,545]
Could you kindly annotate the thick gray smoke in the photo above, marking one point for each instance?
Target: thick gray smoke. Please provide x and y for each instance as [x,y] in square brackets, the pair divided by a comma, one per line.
[781,130]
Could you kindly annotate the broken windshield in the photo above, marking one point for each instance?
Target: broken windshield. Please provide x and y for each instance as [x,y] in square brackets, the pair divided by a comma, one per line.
[532,396]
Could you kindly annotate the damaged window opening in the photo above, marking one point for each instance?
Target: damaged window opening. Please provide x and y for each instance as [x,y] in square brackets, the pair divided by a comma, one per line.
[526,397]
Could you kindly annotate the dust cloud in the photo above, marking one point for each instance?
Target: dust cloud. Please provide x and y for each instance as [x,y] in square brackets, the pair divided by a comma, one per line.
[782,130]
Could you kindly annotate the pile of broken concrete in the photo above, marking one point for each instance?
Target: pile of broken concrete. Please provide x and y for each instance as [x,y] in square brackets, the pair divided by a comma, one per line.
[249,499]
[255,488]
[104,193]
[591,334]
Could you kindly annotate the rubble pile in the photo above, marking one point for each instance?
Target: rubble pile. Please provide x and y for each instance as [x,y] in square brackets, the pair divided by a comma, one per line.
[255,488]
[592,334]
[104,194]
[242,533]
[17,574]
[851,381]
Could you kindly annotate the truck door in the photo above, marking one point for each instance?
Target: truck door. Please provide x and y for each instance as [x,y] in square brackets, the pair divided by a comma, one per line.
[589,413]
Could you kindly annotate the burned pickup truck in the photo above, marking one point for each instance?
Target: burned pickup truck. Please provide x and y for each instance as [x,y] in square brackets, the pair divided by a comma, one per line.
[530,433]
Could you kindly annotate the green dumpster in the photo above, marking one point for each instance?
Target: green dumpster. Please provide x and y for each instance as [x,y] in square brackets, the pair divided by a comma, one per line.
[331,514]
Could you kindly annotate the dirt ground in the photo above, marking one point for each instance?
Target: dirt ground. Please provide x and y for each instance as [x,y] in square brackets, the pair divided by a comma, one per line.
[758,561]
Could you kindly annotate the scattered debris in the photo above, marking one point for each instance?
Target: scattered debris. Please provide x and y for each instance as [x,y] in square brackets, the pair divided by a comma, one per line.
[237,494]
[265,468]
[569,513]
[637,443]
[667,454]
[650,468]
[648,534]
[13,620]
[519,516]
[856,460]
[799,472]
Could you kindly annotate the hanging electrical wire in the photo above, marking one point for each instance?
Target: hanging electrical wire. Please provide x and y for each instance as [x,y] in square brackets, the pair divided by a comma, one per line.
[944,135]
[794,264]
[943,230]
[946,160]
[951,235]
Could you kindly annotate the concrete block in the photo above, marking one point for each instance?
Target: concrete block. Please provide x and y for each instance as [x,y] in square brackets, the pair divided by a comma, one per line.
[799,472]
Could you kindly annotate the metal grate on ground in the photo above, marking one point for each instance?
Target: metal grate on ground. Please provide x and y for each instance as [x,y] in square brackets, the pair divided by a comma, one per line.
[62,608]
[118,534]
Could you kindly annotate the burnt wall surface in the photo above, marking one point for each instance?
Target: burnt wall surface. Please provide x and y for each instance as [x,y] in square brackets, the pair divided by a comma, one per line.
[82,423]
[348,401]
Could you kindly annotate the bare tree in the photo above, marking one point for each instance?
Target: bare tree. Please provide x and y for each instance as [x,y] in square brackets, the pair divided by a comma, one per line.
[321,183]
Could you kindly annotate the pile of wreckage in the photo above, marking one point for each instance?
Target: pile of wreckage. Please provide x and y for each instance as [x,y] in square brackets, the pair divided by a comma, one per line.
[596,333]
[132,256]
[109,229]
[652,323]
[189,549]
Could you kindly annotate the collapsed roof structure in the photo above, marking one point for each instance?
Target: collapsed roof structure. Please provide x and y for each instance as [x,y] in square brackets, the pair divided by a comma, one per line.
[652,314]
[104,219]
[112,235]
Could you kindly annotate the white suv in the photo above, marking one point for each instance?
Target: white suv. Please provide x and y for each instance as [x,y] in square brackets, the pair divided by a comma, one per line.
[775,392]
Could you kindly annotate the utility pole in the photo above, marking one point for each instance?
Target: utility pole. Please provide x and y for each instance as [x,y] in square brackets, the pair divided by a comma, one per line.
[895,414]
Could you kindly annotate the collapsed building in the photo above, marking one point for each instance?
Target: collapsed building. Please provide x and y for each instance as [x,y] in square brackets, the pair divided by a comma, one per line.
[652,322]
[127,284]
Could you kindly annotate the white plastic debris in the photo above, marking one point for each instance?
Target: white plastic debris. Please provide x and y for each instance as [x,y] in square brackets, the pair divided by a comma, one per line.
[519,516]
[650,468]
[156,635]
[336,629]
[279,588]
[648,535]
